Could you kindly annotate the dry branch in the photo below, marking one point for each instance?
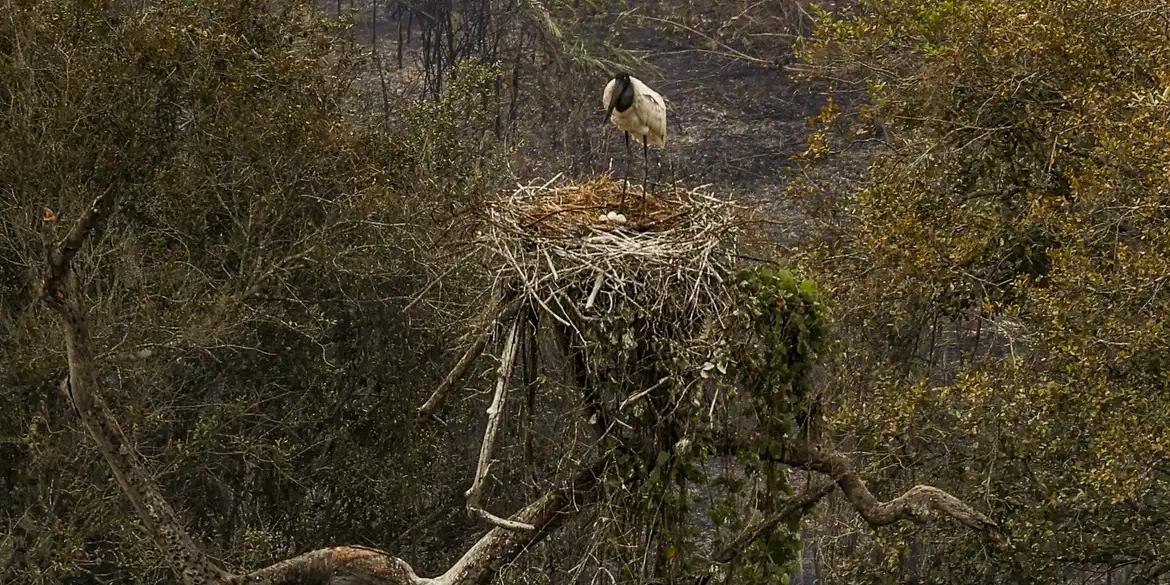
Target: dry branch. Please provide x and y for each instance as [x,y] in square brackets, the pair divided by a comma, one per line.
[473,352]
[495,414]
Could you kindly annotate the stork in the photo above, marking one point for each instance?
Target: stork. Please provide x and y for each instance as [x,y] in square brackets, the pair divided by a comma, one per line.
[636,109]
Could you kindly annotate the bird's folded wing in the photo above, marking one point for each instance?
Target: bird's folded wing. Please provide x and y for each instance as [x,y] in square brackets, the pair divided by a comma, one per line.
[654,115]
[654,101]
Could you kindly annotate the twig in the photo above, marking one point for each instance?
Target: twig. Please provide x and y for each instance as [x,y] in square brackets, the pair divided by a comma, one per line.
[596,289]
[418,297]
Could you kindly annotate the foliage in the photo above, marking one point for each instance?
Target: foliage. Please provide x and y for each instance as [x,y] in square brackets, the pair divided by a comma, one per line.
[246,299]
[1000,275]
[790,323]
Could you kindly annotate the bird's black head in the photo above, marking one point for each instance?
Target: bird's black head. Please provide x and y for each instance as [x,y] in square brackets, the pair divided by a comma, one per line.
[623,97]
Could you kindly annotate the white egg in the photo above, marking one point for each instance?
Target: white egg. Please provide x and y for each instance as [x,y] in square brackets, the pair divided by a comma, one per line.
[620,218]
[603,217]
[612,216]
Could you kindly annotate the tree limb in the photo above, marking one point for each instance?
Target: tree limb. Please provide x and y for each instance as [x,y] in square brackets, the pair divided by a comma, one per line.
[797,505]
[914,505]
[155,513]
[495,414]
[336,564]
[506,311]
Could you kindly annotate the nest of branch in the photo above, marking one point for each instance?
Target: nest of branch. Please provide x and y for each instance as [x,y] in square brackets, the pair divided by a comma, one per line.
[657,323]
[558,245]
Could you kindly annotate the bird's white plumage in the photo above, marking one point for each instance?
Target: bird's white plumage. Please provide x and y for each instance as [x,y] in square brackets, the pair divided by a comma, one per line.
[645,118]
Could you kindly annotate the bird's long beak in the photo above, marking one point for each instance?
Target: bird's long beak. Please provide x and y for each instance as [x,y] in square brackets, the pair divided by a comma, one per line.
[609,113]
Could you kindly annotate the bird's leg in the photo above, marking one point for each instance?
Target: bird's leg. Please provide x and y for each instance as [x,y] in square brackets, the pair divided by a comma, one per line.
[661,153]
[626,178]
[645,170]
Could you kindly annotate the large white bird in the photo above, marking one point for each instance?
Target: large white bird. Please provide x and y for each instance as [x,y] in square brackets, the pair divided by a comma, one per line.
[636,109]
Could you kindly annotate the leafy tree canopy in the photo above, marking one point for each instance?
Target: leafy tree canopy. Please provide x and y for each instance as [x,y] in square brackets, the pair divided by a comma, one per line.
[1000,271]
[264,217]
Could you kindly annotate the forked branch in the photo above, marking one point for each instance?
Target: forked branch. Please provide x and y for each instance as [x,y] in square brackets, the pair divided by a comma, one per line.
[61,258]
[495,414]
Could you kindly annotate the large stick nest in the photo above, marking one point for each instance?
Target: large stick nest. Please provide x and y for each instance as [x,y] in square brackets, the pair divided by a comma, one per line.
[672,255]
[658,330]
